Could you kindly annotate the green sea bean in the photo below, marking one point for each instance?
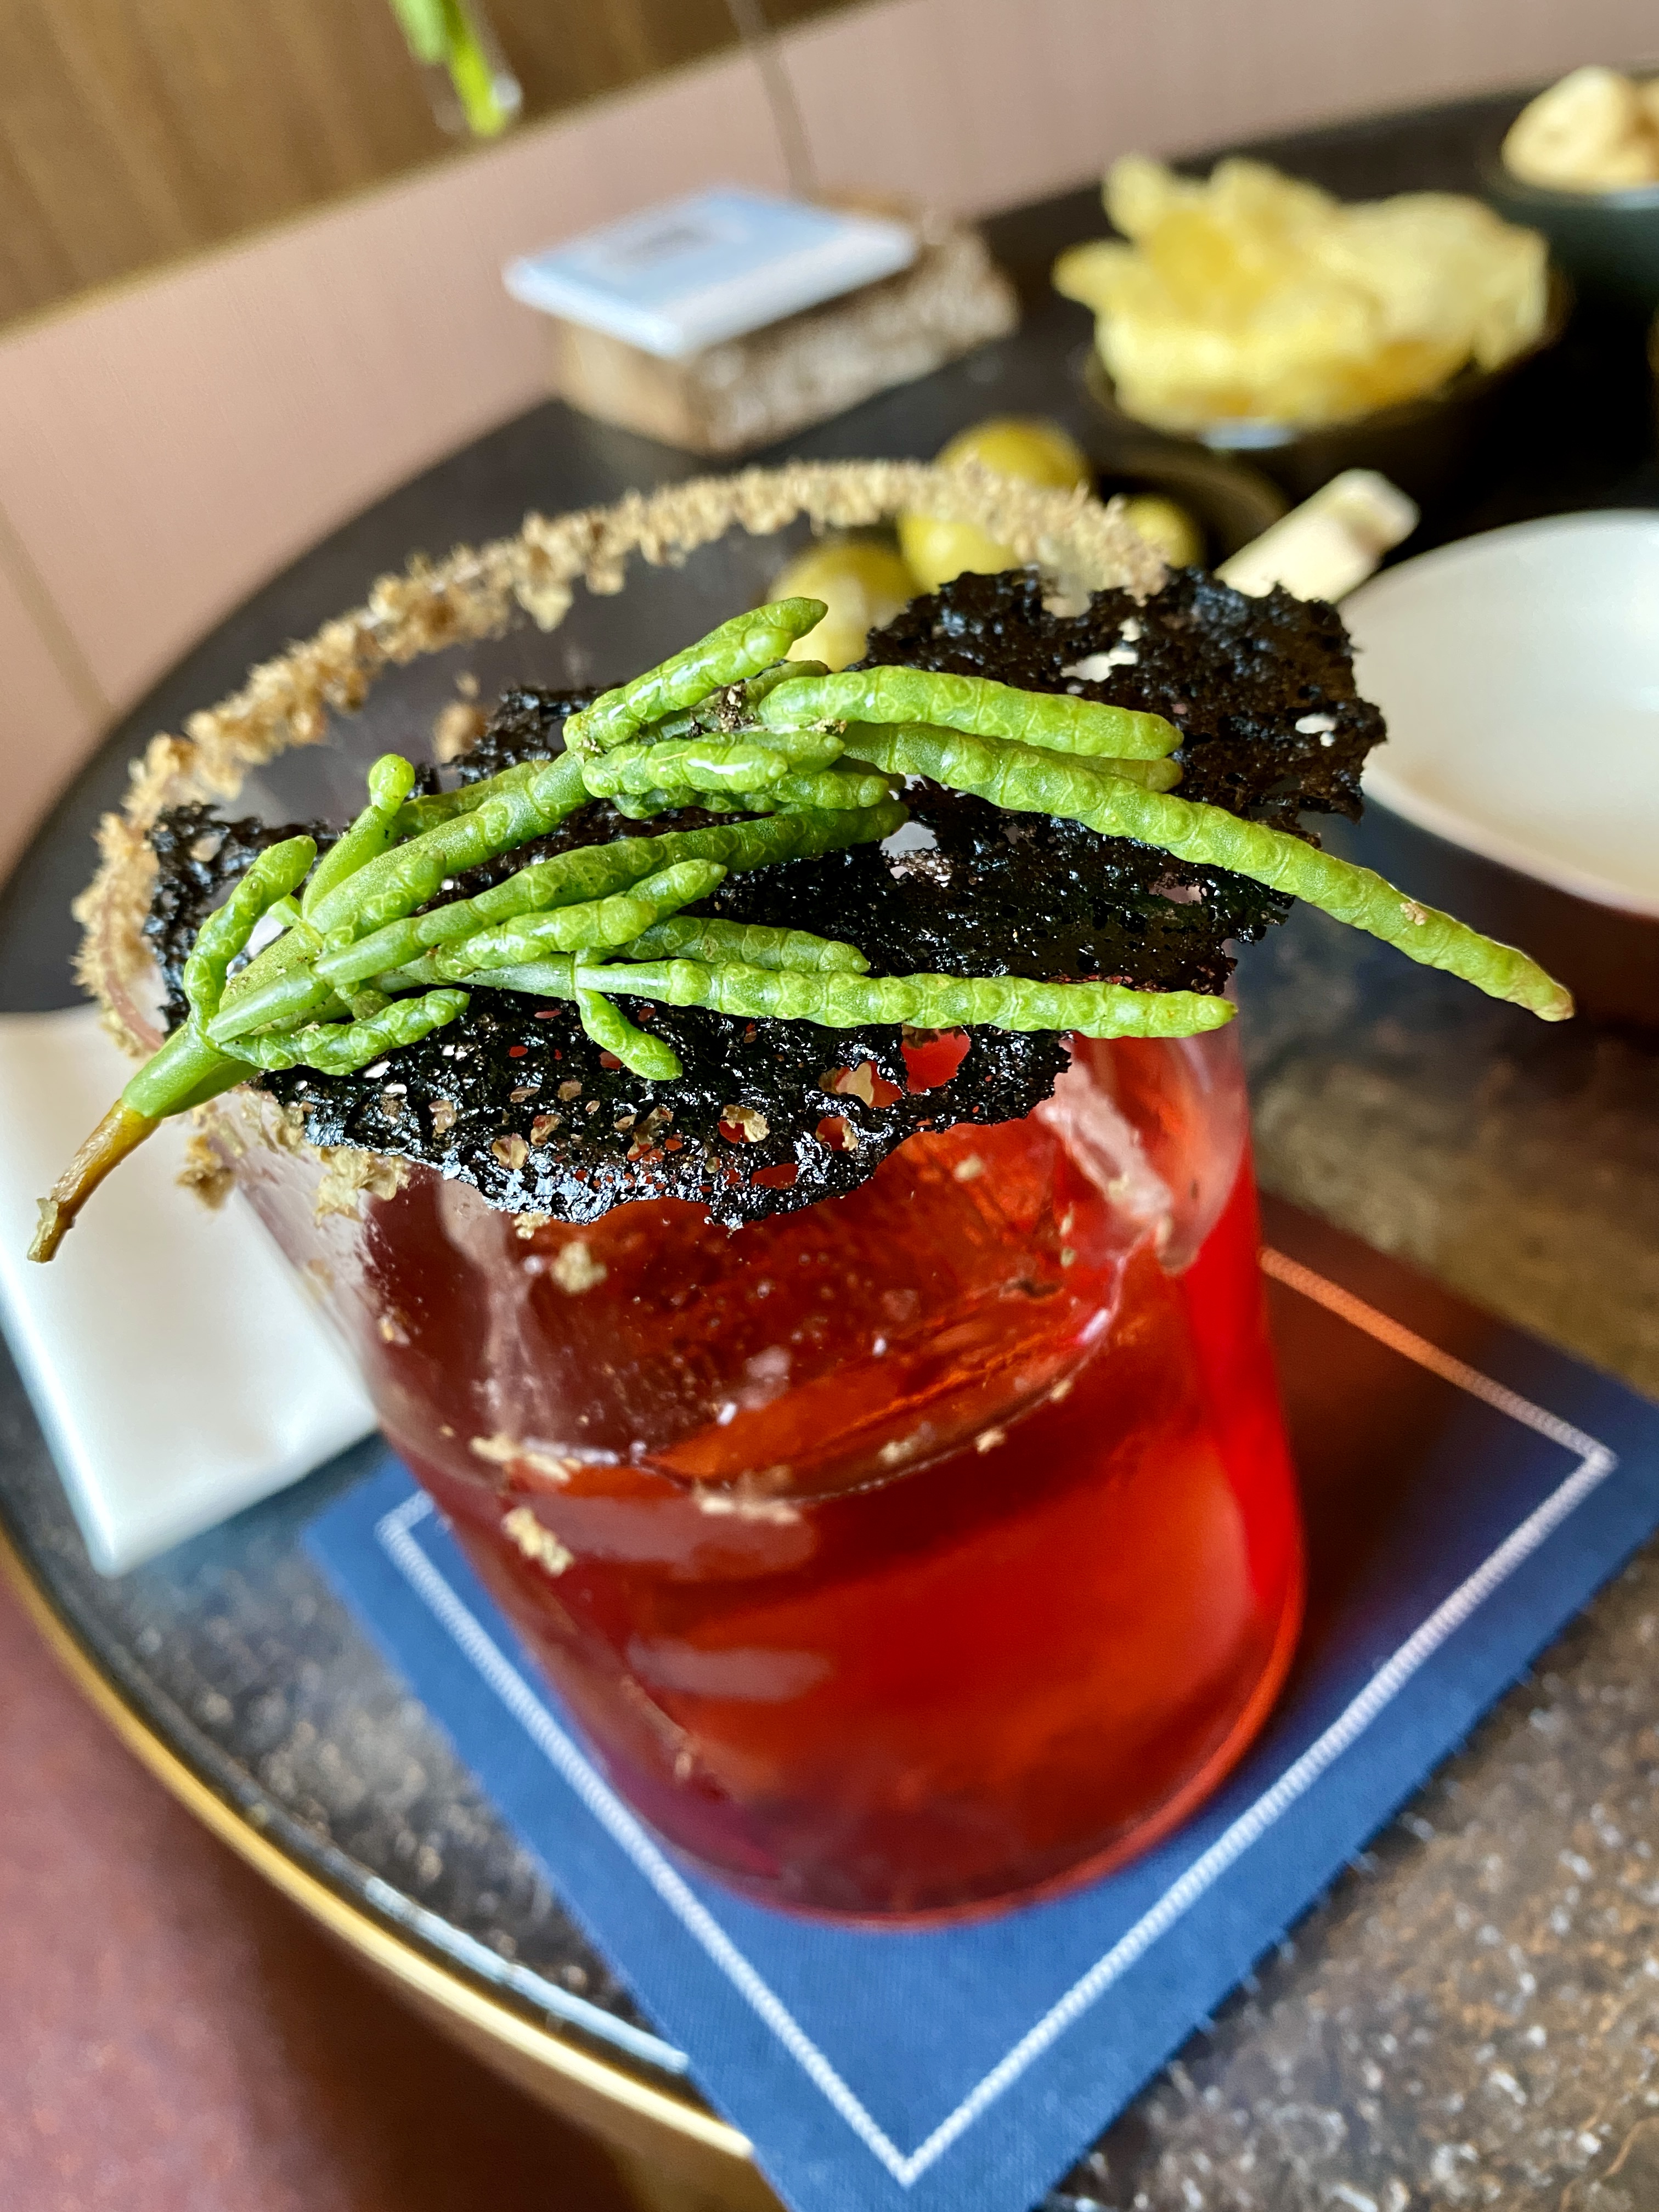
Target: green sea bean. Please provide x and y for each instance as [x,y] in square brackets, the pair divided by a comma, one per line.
[277,985]
[1150,775]
[554,977]
[733,708]
[433,807]
[393,885]
[708,763]
[838,1000]
[342,1048]
[739,648]
[1026,780]
[606,1025]
[754,944]
[594,926]
[1057,720]
[646,805]
[594,871]
[283,996]
[391,780]
[189,1069]
[611,1029]
[833,788]
[755,688]
[224,935]
[427,811]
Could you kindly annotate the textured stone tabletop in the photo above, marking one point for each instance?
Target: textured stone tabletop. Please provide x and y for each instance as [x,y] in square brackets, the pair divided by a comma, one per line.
[1472,2014]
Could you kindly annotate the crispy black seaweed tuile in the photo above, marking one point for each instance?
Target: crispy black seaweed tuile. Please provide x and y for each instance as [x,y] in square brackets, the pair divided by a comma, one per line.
[1237,675]
[198,857]
[514,1098]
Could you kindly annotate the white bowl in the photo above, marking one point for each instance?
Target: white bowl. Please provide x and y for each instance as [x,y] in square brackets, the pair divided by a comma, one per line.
[1519,673]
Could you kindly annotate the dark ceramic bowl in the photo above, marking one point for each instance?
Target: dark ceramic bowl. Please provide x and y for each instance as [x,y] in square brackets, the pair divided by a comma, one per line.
[1423,444]
[1606,242]
[1232,502]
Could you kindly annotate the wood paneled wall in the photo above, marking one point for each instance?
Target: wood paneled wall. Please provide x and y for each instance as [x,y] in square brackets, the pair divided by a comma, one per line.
[133,133]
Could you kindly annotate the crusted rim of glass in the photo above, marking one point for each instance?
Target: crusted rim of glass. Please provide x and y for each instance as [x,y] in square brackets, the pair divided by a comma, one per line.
[477,593]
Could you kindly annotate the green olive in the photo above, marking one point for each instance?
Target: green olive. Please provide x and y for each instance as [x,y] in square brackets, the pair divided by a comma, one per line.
[1026,447]
[862,582]
[1167,527]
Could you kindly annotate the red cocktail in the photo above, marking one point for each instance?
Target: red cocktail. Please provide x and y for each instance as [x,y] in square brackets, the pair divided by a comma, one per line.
[926,1547]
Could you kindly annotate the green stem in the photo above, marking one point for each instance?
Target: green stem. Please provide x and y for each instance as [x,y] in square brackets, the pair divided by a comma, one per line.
[1026,780]
[596,926]
[120,1131]
[185,1072]
[839,1001]
[973,704]
[595,872]
[390,782]
[755,944]
[613,1032]
[739,649]
[393,885]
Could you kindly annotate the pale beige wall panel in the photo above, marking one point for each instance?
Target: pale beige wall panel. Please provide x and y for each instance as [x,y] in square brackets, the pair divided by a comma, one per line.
[49,717]
[164,448]
[978,104]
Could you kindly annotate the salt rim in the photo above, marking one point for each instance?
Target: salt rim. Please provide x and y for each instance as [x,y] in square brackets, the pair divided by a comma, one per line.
[479,594]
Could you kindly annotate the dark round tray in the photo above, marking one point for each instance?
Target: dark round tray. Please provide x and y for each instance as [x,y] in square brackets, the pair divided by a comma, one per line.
[230,1668]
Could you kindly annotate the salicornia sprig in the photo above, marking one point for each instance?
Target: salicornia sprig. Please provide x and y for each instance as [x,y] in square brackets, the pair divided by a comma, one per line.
[739,648]
[595,927]
[612,1031]
[342,1048]
[754,944]
[188,1070]
[594,871]
[223,937]
[715,764]
[838,999]
[390,782]
[1028,780]
[524,805]
[814,760]
[832,787]
[971,703]
[1150,775]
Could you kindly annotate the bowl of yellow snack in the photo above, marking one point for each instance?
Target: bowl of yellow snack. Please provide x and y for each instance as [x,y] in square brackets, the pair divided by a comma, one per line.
[1255,314]
[1581,164]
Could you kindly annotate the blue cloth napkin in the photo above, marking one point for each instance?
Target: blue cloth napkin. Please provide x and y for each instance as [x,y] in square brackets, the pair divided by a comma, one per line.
[963,2069]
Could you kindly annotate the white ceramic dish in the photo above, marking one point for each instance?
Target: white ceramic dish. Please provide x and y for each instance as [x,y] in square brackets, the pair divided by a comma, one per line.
[1519,673]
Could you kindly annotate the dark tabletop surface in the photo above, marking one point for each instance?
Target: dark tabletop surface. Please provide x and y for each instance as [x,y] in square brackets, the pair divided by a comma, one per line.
[1472,2014]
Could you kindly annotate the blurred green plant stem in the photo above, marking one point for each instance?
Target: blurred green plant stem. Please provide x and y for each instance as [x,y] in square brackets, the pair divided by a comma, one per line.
[455,36]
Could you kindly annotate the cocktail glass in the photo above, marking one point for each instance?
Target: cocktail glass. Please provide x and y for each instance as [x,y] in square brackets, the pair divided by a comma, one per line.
[932,1546]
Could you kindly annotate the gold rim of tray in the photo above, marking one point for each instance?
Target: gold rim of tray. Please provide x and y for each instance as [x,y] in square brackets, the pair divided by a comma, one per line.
[632,2115]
